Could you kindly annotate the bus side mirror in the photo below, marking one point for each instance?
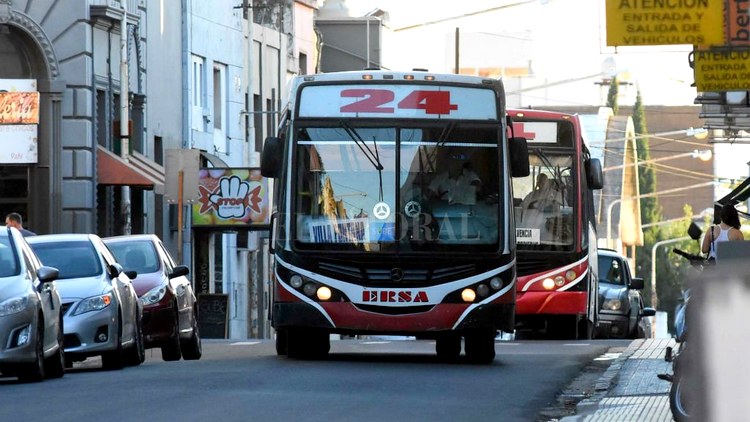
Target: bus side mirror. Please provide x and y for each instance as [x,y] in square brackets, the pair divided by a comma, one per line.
[595,175]
[519,157]
[270,159]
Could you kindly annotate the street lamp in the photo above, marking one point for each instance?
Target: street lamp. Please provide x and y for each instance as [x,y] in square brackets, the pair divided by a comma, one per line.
[654,299]
[645,195]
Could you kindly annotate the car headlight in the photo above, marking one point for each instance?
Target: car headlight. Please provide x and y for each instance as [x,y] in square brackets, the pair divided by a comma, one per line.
[612,305]
[154,295]
[93,303]
[13,305]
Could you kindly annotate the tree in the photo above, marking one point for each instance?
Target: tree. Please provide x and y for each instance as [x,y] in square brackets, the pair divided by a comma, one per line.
[650,209]
[612,95]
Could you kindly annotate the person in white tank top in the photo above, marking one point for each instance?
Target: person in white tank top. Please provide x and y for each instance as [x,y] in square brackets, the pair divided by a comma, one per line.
[727,230]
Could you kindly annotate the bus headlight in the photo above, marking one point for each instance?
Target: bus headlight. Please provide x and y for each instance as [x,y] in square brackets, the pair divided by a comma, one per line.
[483,290]
[571,275]
[296,281]
[324,293]
[548,283]
[468,295]
[496,283]
[559,280]
[309,289]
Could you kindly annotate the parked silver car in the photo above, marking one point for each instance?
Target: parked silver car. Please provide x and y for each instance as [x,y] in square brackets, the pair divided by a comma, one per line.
[102,314]
[31,322]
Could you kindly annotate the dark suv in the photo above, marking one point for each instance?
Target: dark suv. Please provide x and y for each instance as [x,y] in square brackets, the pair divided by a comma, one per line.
[621,310]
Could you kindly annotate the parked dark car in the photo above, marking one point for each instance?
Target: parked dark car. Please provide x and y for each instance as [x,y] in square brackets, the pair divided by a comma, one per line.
[31,323]
[101,312]
[170,311]
[621,310]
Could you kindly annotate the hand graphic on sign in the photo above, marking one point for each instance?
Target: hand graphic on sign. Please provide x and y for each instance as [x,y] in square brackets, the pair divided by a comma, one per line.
[231,200]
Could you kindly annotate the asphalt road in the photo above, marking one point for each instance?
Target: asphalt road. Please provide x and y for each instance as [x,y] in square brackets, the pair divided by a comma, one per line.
[362,380]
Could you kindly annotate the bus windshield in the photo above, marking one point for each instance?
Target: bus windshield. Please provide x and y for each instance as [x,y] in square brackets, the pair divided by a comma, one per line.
[544,203]
[428,187]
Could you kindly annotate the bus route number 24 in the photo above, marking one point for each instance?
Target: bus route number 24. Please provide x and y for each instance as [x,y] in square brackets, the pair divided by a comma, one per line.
[380,101]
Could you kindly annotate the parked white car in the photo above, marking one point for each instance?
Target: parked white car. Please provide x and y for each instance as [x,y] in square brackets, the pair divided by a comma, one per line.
[31,322]
[102,313]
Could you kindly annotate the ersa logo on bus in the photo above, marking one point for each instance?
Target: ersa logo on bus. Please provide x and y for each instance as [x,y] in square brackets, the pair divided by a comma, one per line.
[231,198]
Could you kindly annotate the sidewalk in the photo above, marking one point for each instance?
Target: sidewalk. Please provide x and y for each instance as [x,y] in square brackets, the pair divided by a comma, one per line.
[629,390]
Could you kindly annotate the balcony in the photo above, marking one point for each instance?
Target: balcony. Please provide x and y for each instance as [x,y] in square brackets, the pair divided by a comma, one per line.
[112,9]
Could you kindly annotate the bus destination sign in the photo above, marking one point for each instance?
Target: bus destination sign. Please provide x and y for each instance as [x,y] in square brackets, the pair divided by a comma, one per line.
[397,101]
[665,22]
[722,70]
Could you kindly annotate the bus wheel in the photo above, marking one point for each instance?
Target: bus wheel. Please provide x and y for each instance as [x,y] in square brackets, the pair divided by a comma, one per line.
[448,347]
[480,346]
[307,344]
[585,329]
[281,342]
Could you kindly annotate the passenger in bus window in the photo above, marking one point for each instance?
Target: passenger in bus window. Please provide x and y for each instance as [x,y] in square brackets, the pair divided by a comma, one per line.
[456,187]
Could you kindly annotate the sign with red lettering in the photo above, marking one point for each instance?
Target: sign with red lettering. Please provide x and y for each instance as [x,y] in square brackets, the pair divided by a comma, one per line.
[665,22]
[232,197]
[398,101]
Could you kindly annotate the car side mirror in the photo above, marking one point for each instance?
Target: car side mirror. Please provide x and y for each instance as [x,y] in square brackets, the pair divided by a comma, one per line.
[131,274]
[636,283]
[647,312]
[47,274]
[115,270]
[179,271]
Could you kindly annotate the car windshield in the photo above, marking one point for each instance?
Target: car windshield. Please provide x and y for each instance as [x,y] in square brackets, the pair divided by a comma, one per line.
[8,259]
[73,259]
[139,256]
[433,187]
[611,270]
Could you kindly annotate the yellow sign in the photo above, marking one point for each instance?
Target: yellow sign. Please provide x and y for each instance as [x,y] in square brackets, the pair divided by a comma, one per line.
[722,70]
[662,22]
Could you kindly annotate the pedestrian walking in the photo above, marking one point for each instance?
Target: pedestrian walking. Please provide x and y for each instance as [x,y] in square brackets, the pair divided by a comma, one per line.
[14,219]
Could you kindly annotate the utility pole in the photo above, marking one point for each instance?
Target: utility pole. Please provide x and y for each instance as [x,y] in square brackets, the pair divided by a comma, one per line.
[124,115]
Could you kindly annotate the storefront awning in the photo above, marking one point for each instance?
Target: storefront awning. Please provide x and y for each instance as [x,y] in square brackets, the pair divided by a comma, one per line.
[137,171]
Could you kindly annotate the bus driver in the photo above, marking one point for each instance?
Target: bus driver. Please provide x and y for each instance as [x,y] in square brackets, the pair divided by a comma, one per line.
[456,188]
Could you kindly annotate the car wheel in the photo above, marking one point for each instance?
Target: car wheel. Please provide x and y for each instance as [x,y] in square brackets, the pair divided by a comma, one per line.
[55,365]
[114,358]
[192,349]
[171,350]
[34,372]
[136,354]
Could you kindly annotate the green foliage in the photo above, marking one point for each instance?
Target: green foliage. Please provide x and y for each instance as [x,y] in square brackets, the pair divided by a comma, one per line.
[612,95]
[672,271]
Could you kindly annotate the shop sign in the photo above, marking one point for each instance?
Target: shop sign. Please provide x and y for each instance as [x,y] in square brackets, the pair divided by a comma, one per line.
[232,197]
[19,117]
[722,70]
[665,22]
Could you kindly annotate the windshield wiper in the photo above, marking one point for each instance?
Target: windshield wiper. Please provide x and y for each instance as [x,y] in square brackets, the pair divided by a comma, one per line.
[555,170]
[372,157]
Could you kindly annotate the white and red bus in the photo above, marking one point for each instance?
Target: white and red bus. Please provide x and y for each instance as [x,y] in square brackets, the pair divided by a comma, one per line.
[391,216]
[557,284]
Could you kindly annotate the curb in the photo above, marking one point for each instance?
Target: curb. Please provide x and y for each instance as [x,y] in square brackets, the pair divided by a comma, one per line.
[605,383]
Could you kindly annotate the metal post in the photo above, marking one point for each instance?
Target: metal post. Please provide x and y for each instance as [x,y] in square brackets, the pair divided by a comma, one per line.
[124,116]
[654,299]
